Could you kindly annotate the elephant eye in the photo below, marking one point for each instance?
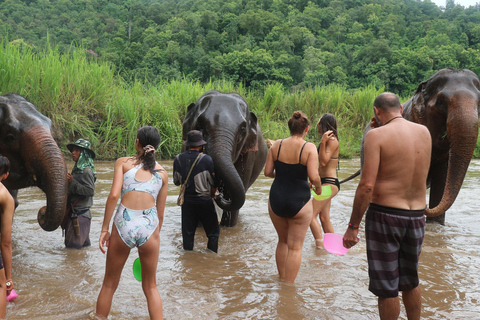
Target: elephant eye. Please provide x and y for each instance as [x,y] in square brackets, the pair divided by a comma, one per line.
[10,138]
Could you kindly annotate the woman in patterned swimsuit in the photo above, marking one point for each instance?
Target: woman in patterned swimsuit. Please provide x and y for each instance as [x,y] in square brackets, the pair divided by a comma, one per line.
[142,183]
[328,152]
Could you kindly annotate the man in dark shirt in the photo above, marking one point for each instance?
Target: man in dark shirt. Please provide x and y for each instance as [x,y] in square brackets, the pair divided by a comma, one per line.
[199,191]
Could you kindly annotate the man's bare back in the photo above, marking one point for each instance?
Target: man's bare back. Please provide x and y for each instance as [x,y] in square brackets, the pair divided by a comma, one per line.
[401,150]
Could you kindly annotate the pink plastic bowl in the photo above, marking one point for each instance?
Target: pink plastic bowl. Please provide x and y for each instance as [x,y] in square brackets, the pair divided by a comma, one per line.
[12,295]
[333,243]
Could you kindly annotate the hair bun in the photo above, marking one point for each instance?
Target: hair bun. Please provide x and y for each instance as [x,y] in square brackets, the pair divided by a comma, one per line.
[297,114]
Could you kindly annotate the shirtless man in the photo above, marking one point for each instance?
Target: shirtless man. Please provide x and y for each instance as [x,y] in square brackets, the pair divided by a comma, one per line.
[393,188]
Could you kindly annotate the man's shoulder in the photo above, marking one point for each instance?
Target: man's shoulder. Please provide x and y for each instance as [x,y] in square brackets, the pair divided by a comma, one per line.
[4,194]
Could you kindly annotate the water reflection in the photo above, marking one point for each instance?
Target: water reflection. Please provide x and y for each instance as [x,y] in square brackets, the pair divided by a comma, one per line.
[241,281]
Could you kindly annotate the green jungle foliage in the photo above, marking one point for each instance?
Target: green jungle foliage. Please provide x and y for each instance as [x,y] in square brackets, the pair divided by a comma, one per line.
[393,44]
[116,65]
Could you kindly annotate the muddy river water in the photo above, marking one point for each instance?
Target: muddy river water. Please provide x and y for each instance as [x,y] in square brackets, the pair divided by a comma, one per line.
[241,281]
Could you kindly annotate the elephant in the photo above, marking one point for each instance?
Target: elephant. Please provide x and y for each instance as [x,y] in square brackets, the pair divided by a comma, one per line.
[35,158]
[448,105]
[234,141]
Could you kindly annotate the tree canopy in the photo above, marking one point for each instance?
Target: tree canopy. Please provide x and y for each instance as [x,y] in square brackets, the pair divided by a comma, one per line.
[386,43]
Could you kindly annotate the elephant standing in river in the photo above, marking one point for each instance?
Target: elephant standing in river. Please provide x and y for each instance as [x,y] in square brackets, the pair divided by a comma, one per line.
[35,159]
[235,143]
[448,105]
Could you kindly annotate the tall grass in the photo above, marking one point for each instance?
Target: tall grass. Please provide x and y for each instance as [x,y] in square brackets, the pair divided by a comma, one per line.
[85,98]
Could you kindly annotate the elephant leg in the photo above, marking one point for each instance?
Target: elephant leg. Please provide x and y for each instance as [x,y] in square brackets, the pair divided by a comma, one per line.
[229,218]
[438,174]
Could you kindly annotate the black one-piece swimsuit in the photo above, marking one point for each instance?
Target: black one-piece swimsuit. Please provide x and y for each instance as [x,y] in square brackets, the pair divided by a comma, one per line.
[290,190]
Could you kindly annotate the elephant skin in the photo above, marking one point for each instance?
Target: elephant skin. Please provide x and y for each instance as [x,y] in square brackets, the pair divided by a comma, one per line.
[35,158]
[235,143]
[448,105]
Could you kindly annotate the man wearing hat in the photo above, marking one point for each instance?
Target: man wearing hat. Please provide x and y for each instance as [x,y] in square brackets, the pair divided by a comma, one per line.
[81,188]
[199,191]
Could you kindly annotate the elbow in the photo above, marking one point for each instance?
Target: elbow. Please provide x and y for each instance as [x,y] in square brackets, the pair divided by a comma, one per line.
[366,188]
[6,244]
[113,197]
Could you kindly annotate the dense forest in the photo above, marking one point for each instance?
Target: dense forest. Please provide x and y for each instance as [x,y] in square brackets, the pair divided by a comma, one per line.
[393,44]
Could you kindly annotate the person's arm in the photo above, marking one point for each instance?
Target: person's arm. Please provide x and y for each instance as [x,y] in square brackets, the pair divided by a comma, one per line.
[364,192]
[312,167]
[269,170]
[112,200]
[84,184]
[8,207]
[162,198]
[328,145]
[177,177]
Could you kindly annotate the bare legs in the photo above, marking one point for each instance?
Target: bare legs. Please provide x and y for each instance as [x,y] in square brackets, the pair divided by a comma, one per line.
[389,308]
[412,300]
[322,208]
[117,254]
[291,235]
[148,253]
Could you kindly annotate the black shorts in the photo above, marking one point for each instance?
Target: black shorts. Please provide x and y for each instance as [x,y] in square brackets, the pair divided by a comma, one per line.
[394,242]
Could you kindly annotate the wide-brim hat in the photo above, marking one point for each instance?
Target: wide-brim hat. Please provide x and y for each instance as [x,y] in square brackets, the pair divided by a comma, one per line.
[82,143]
[194,139]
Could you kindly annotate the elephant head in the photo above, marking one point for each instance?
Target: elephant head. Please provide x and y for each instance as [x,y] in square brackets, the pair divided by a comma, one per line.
[234,141]
[448,105]
[36,160]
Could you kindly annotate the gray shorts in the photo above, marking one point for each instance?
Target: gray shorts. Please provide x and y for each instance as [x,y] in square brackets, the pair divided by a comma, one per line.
[394,242]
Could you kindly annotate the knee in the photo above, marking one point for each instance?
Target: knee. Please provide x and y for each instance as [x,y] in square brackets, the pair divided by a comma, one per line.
[324,218]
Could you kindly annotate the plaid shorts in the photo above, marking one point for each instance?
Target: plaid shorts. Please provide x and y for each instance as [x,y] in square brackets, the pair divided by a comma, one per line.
[394,242]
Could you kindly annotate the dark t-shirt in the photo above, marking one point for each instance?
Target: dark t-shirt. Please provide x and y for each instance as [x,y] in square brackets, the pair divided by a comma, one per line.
[201,180]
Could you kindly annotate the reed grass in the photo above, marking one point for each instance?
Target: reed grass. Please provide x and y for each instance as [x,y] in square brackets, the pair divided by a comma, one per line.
[85,98]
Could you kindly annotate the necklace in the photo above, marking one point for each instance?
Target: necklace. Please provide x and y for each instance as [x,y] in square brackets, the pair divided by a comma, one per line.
[392,120]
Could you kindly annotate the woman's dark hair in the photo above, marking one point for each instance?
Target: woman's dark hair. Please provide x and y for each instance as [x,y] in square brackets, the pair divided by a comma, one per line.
[298,123]
[4,165]
[148,136]
[328,122]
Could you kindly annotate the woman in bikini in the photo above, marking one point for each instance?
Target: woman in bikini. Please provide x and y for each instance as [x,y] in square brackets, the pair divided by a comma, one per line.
[328,152]
[142,184]
[292,162]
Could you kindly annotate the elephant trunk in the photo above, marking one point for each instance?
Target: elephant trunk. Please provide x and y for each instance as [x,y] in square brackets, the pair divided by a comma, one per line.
[232,197]
[462,145]
[46,162]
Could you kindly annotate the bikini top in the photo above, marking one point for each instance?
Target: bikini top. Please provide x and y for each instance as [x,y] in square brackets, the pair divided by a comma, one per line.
[151,186]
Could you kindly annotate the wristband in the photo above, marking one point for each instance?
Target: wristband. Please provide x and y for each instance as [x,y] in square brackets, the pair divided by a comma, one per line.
[104,231]
[9,283]
[351,226]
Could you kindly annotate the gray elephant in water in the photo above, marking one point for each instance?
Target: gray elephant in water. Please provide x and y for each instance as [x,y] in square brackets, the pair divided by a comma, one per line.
[35,159]
[235,143]
[448,105]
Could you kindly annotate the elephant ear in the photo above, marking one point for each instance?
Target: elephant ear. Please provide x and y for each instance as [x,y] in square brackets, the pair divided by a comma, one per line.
[188,122]
[251,143]
[418,104]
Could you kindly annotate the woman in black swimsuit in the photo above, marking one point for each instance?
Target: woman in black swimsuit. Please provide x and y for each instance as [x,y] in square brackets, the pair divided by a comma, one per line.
[292,162]
[328,152]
